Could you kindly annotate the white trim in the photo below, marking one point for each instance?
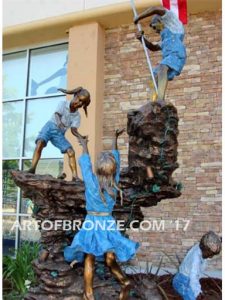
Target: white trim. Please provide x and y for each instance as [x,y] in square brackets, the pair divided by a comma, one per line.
[36,46]
[14,214]
[28,158]
[32,97]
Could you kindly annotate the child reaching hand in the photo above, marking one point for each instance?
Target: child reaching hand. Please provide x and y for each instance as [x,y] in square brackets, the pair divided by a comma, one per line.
[65,116]
[99,235]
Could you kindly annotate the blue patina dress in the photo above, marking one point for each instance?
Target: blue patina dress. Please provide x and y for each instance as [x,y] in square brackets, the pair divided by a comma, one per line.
[172,45]
[99,234]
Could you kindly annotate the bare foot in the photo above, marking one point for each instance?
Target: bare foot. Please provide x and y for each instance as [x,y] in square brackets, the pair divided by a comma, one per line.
[31,170]
[89,297]
[126,287]
[75,178]
[61,176]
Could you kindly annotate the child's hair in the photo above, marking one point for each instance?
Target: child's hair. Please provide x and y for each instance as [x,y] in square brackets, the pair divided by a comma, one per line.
[83,95]
[106,171]
[212,242]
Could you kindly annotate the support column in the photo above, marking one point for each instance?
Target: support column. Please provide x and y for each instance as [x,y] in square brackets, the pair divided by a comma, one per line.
[86,69]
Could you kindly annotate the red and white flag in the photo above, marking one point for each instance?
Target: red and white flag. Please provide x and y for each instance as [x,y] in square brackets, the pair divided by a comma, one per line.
[179,7]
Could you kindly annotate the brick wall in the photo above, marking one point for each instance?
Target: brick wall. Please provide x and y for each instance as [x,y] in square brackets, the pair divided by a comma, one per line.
[197,95]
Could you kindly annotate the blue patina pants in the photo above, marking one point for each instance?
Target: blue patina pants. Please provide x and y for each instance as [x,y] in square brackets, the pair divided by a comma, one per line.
[51,132]
[181,284]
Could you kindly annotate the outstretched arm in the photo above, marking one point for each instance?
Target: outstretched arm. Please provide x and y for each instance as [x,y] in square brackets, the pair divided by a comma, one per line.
[116,153]
[149,12]
[86,165]
[83,140]
[117,134]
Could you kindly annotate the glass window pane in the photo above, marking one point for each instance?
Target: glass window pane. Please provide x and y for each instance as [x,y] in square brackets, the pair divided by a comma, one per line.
[12,128]
[9,234]
[37,114]
[53,167]
[48,70]
[9,188]
[14,75]
[29,229]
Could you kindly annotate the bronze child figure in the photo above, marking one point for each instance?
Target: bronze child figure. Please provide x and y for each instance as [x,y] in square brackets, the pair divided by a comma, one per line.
[99,237]
[171,30]
[186,281]
[66,116]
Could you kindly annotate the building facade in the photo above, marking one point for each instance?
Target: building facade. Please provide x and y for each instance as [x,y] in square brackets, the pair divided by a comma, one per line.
[67,43]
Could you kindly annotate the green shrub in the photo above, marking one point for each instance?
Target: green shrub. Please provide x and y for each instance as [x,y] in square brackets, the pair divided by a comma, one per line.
[19,269]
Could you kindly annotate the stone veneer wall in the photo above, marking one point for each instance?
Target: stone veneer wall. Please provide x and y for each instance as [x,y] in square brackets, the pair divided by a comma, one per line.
[197,94]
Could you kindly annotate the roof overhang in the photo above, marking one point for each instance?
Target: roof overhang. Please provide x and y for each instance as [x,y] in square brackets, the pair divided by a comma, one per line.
[56,28]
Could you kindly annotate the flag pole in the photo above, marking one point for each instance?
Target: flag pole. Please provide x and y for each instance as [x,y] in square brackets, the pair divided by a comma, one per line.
[145,47]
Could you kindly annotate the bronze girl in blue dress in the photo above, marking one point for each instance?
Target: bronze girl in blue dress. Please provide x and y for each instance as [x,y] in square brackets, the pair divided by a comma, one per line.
[99,236]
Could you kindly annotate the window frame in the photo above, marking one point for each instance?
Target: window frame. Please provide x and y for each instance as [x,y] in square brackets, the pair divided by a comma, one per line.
[21,158]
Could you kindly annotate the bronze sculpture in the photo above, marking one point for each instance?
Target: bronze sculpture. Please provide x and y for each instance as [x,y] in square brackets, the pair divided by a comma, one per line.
[152,159]
[152,142]
[66,116]
[186,282]
[89,244]
[171,30]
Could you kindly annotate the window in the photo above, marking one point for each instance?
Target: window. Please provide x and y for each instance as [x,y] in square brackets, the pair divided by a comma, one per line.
[30,82]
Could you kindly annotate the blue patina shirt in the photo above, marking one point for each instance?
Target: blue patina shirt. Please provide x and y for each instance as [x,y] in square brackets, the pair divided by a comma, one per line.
[192,267]
[92,193]
[69,119]
[173,48]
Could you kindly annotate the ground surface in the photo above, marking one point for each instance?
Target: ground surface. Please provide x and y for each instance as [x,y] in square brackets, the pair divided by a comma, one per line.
[211,287]
[145,287]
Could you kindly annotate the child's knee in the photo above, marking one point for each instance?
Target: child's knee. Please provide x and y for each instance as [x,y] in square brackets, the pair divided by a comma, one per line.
[70,152]
[163,69]
[40,144]
[110,259]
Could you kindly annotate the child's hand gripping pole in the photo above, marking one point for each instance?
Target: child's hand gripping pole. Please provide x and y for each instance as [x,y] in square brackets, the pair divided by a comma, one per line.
[145,48]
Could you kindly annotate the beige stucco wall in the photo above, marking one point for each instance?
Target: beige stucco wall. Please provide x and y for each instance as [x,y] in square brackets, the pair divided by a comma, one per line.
[33,10]
[86,68]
